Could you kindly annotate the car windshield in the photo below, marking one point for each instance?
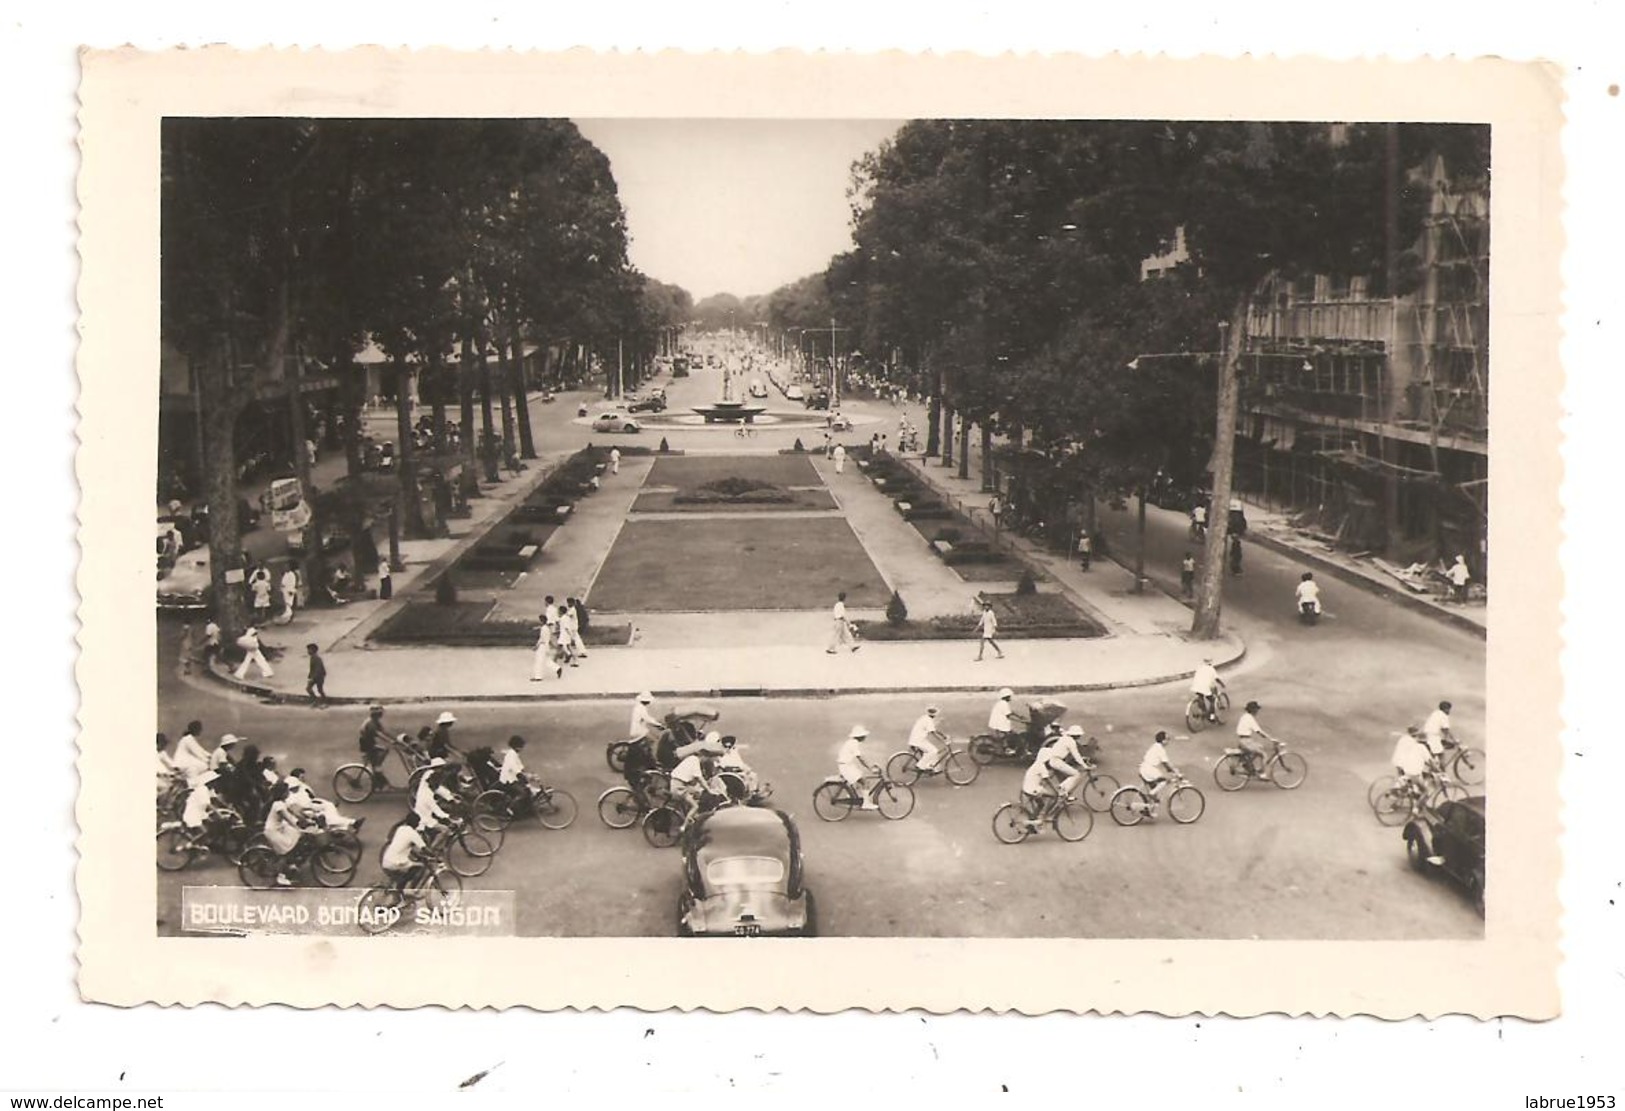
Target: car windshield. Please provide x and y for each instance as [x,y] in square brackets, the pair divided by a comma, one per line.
[744,871]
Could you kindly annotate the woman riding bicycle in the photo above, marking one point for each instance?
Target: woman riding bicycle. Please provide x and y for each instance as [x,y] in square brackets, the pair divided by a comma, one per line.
[1156,769]
[284,833]
[853,765]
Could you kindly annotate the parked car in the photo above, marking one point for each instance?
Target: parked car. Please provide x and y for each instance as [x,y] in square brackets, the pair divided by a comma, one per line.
[335,538]
[794,393]
[1451,840]
[818,400]
[615,422]
[742,877]
[758,388]
[184,586]
[651,404]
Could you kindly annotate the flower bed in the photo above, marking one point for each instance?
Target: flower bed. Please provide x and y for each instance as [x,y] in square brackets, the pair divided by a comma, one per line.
[465,624]
[1020,616]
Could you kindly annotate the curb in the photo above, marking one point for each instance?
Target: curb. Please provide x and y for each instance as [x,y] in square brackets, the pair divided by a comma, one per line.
[1369,585]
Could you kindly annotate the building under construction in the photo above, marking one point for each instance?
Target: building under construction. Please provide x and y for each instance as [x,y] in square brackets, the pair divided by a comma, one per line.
[1367,418]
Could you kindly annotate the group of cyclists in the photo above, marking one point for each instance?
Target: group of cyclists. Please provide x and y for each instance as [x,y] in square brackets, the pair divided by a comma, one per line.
[694,770]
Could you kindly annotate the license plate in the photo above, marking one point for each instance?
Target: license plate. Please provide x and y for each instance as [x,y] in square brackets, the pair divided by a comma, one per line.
[748,929]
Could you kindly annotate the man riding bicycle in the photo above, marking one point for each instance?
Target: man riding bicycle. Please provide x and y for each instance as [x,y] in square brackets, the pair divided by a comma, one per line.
[644,723]
[732,761]
[405,851]
[1206,685]
[853,765]
[1066,754]
[514,781]
[640,760]
[1156,769]
[692,780]
[374,741]
[432,790]
[1001,720]
[919,739]
[1038,784]
[1246,730]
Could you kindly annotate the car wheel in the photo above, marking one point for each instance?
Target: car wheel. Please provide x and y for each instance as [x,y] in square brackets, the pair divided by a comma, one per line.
[1475,888]
[810,929]
[1416,849]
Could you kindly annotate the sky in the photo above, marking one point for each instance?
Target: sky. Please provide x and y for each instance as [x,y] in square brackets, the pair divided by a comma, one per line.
[735,206]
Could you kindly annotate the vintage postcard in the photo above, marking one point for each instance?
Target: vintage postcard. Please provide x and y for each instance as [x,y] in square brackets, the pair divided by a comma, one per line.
[1018,534]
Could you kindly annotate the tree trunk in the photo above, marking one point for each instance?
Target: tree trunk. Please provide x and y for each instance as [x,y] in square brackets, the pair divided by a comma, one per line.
[483,365]
[964,447]
[406,467]
[1210,584]
[933,414]
[527,439]
[1139,547]
[470,479]
[219,407]
[947,434]
[352,392]
[987,459]
[505,387]
[315,568]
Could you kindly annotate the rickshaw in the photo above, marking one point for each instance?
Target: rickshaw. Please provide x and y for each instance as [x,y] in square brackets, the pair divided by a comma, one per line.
[683,734]
[1020,746]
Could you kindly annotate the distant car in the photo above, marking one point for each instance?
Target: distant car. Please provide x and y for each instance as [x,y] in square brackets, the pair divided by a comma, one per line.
[615,422]
[742,877]
[818,400]
[549,396]
[794,393]
[654,403]
[840,424]
[185,586]
[758,388]
[1454,836]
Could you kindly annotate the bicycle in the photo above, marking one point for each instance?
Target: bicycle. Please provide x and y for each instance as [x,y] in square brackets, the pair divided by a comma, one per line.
[178,847]
[1012,826]
[360,781]
[623,807]
[432,883]
[956,763]
[1464,763]
[497,809]
[1196,711]
[835,798]
[468,851]
[745,431]
[1396,799]
[330,864]
[1237,766]
[1132,805]
[1098,788]
[172,800]
[665,825]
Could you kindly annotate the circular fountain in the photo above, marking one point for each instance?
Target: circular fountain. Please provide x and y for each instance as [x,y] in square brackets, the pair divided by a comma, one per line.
[727,409]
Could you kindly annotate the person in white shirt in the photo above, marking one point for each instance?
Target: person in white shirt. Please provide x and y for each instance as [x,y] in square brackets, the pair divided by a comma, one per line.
[569,633]
[988,624]
[732,762]
[919,739]
[1308,592]
[1436,729]
[283,832]
[840,458]
[1206,683]
[404,851]
[220,758]
[426,799]
[1247,730]
[1066,756]
[1199,518]
[853,764]
[999,719]
[572,614]
[304,803]
[253,653]
[512,776]
[614,460]
[1038,781]
[200,802]
[1156,769]
[166,766]
[1411,756]
[191,758]
[289,588]
[1459,577]
[644,723]
[694,777]
[841,631]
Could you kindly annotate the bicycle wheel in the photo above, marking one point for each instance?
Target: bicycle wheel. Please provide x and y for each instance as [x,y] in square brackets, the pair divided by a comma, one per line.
[555,808]
[615,755]
[1448,790]
[618,808]
[259,868]
[174,849]
[470,853]
[1230,773]
[334,866]
[960,769]
[1380,786]
[896,800]
[444,890]
[492,811]
[1098,792]
[1129,806]
[983,749]
[1010,824]
[1394,806]
[353,783]
[904,767]
[833,801]
[1287,770]
[378,909]
[662,827]
[1195,714]
[656,786]
[1468,766]
[1221,706]
[1186,805]
[1073,822]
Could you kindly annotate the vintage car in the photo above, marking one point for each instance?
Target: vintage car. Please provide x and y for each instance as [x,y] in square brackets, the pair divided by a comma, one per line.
[794,393]
[758,388]
[1451,840]
[840,424]
[742,877]
[614,422]
[184,586]
[654,403]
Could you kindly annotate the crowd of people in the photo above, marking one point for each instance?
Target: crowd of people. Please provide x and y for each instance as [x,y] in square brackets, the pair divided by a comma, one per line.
[559,638]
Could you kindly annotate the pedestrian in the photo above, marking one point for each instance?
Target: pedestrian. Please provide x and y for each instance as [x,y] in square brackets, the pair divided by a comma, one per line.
[289,587]
[542,662]
[310,452]
[995,509]
[583,617]
[1187,574]
[614,460]
[316,682]
[1235,555]
[253,653]
[186,649]
[989,625]
[841,632]
[259,586]
[211,643]
[565,647]
[1086,549]
[1459,577]
[571,616]
[386,580]
[840,458]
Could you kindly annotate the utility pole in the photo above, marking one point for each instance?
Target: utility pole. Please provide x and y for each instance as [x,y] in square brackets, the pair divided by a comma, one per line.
[1205,624]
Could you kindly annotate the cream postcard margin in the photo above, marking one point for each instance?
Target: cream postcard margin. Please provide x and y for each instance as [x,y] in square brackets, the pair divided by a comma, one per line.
[125,94]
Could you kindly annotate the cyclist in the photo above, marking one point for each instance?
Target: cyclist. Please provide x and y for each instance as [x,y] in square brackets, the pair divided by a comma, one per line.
[1066,753]
[733,762]
[1199,519]
[1156,769]
[1206,684]
[220,758]
[1436,730]
[1246,730]
[919,739]
[1308,593]
[307,806]
[644,722]
[374,742]
[640,760]
[440,743]
[513,779]
[431,791]
[167,772]
[1412,758]
[284,832]
[1000,720]
[853,765]
[691,780]
[201,803]
[404,850]
[191,758]
[1038,783]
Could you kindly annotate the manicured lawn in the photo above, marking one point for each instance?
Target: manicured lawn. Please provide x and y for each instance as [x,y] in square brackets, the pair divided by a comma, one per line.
[696,470]
[655,501]
[764,563]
